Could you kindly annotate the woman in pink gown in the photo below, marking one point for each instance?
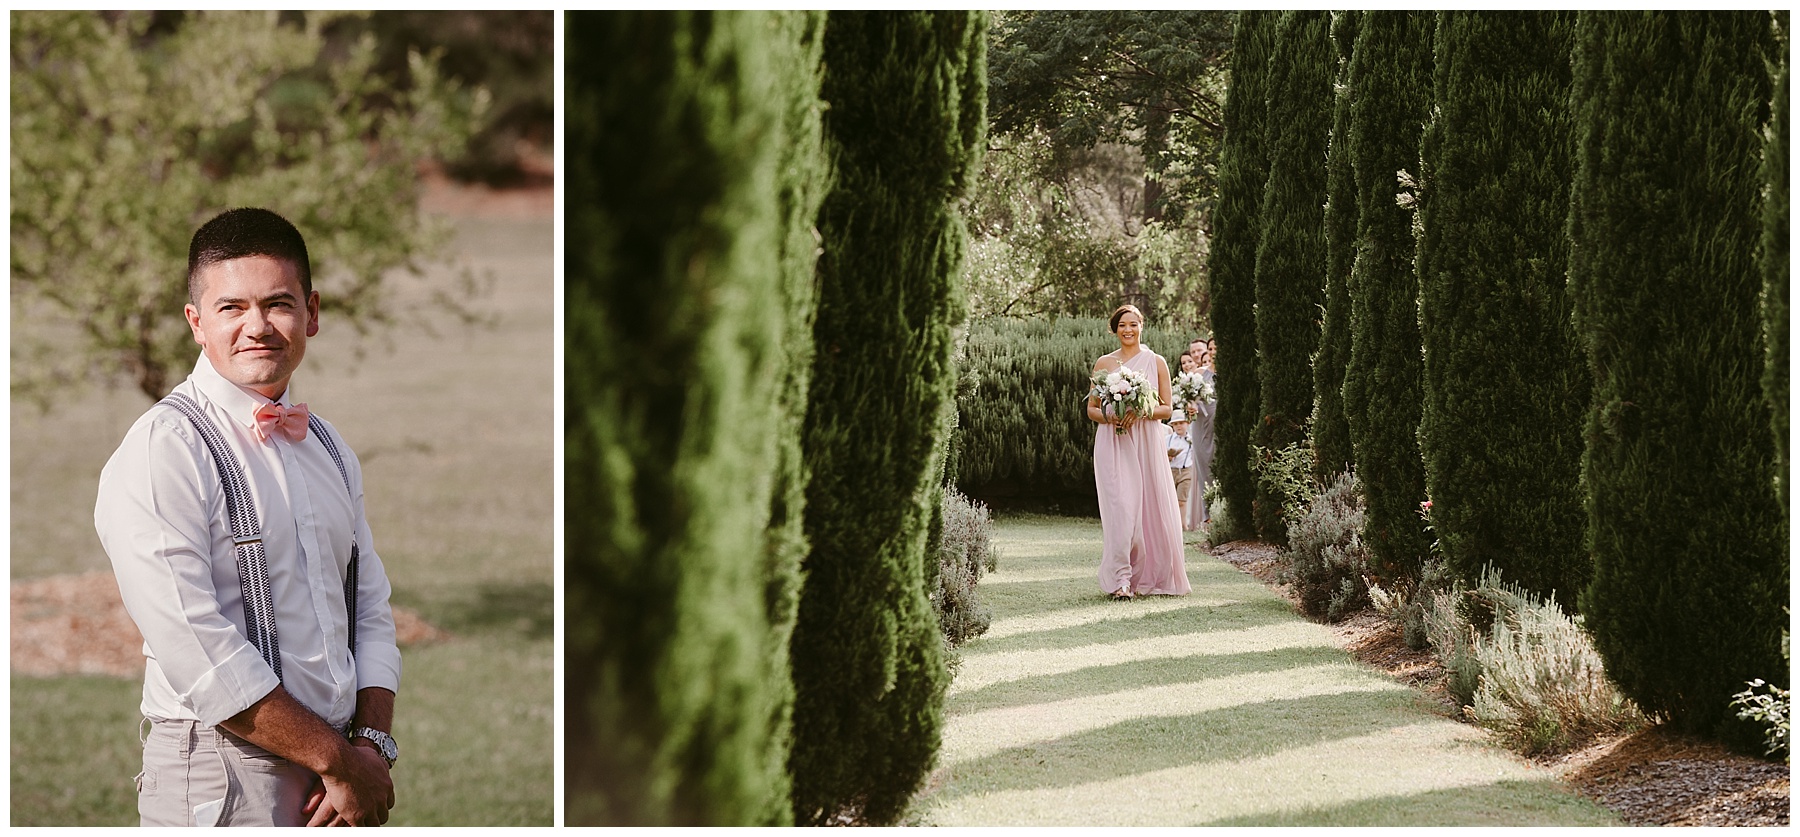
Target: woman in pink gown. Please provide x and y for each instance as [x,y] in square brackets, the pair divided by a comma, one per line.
[1140,520]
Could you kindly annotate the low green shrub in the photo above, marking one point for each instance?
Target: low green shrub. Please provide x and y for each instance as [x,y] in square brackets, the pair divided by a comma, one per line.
[1285,472]
[1325,560]
[1447,627]
[965,551]
[1543,686]
[1224,525]
[1770,709]
[1025,441]
[1406,602]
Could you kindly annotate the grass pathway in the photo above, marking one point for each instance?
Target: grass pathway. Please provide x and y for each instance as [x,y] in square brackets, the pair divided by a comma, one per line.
[1223,707]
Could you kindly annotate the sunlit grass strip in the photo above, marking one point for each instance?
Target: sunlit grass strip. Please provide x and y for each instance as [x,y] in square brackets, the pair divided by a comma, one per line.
[980,670]
[1100,611]
[991,731]
[1394,763]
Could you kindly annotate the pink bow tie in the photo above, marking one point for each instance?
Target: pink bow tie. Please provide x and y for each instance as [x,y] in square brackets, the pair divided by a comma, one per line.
[288,421]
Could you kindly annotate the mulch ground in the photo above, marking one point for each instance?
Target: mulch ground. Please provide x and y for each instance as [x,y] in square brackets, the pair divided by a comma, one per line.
[1651,777]
[77,624]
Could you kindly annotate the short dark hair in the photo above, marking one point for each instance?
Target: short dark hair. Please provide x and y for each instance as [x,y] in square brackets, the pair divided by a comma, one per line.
[246,231]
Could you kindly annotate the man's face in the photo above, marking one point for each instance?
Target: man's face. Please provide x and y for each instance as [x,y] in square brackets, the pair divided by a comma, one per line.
[253,320]
[1198,350]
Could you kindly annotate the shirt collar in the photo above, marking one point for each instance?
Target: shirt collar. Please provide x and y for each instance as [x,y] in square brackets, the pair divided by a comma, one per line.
[240,403]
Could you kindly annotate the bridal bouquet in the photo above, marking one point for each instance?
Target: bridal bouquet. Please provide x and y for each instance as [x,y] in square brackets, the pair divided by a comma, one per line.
[1122,391]
[1193,386]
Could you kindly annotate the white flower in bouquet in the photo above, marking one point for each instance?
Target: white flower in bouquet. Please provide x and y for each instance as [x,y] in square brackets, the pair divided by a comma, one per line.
[1193,386]
[1124,391]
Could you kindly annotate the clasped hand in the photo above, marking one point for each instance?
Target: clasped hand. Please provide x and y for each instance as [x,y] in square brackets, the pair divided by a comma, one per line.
[360,795]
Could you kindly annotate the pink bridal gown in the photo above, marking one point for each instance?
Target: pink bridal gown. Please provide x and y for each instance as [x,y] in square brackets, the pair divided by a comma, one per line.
[1139,516]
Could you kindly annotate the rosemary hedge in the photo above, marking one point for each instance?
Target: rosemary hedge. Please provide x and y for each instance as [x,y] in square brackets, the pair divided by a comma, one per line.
[1390,73]
[1024,440]
[1290,255]
[684,286]
[1690,559]
[1506,384]
[1231,262]
[904,126]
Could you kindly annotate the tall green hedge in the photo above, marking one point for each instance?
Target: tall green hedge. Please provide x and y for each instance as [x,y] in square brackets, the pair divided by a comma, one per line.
[683,284]
[1775,270]
[1391,74]
[1024,440]
[1332,452]
[1506,385]
[1290,255]
[904,126]
[1690,562]
[1231,261]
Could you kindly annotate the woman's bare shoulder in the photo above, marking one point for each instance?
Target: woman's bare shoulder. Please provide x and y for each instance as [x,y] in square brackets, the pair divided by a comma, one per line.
[1108,362]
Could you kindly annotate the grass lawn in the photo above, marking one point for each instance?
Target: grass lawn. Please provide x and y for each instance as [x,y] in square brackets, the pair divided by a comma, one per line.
[455,430]
[1222,707]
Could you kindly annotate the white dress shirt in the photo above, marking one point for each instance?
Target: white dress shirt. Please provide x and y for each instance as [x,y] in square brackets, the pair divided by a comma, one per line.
[161,517]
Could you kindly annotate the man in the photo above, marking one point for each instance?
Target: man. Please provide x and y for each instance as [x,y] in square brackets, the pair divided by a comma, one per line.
[271,662]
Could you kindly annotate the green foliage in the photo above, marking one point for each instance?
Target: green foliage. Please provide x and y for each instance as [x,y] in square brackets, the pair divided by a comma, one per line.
[683,276]
[1390,80]
[1068,243]
[1771,709]
[964,551]
[1684,524]
[1231,265]
[1330,428]
[1290,255]
[868,661]
[1154,79]
[1505,382]
[1325,560]
[1775,255]
[1543,687]
[127,137]
[509,53]
[1024,440]
[1407,603]
[1286,474]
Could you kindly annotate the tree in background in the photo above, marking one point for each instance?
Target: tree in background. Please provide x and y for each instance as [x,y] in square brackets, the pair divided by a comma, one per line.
[1231,264]
[130,130]
[1098,184]
[1505,383]
[1290,255]
[1390,73]
[1332,451]
[1684,526]
[904,127]
[1775,265]
[684,269]
[508,53]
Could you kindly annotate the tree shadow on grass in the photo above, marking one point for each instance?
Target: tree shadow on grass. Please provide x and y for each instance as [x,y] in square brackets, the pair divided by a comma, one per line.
[1145,745]
[526,609]
[1104,678]
[1123,621]
[1505,803]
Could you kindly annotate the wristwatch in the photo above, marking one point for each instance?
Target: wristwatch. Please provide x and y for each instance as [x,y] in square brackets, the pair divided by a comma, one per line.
[384,743]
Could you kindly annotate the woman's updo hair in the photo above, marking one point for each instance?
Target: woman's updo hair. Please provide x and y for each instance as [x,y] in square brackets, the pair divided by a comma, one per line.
[1118,312]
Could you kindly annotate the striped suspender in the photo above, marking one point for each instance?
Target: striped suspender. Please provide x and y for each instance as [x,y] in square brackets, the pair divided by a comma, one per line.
[318,431]
[246,533]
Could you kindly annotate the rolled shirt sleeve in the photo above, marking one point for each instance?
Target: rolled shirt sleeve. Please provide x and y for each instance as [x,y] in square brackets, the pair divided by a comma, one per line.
[154,525]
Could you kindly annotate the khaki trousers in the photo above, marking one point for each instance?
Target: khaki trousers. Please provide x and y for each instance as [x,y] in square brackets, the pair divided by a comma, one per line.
[200,775]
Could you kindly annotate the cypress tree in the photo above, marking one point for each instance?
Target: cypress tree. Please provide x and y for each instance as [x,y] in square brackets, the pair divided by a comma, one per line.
[1330,428]
[1231,262]
[904,125]
[678,270]
[1505,384]
[1290,255]
[1391,74]
[1775,269]
[1690,571]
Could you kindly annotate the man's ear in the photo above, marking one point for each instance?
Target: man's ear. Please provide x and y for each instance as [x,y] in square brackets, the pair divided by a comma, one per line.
[193,320]
[312,314]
